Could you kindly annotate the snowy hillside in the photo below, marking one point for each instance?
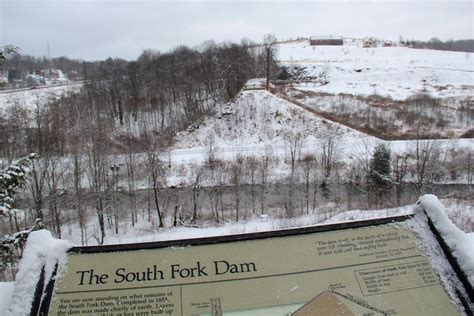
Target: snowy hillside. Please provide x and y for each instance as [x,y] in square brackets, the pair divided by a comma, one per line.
[258,118]
[398,72]
[29,99]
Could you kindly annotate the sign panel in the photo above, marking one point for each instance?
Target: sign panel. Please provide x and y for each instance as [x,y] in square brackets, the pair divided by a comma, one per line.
[373,270]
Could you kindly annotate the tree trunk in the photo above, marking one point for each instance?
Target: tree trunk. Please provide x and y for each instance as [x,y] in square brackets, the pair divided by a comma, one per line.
[195,205]
[100,218]
[155,191]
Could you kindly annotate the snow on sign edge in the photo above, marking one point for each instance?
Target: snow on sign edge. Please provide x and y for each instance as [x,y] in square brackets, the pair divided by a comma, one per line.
[428,243]
[41,249]
[461,243]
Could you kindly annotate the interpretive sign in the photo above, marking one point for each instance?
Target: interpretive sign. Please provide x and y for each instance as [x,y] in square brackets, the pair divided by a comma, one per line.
[369,268]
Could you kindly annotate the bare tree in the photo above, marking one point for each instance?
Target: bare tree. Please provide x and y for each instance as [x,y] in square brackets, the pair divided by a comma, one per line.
[12,132]
[75,144]
[329,146]
[53,177]
[114,173]
[197,173]
[269,42]
[77,168]
[177,218]
[425,156]
[469,167]
[251,165]
[293,143]
[400,170]
[39,118]
[216,179]
[308,165]
[97,174]
[131,160]
[211,149]
[362,156]
[130,164]
[157,176]
[236,179]
[264,172]
[39,172]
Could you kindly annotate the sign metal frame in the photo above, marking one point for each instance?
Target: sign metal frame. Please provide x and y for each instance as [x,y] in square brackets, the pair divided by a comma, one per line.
[42,299]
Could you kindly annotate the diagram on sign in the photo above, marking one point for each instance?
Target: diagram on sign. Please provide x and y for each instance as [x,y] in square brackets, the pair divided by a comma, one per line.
[327,303]
[332,303]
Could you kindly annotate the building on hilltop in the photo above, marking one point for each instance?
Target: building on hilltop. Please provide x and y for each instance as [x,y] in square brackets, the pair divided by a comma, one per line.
[369,42]
[326,41]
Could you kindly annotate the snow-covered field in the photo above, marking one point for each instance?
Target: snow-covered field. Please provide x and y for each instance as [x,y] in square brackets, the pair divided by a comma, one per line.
[397,72]
[30,99]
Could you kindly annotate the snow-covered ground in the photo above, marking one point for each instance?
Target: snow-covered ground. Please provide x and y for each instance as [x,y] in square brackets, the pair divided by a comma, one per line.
[461,244]
[397,72]
[257,118]
[460,212]
[148,231]
[6,293]
[258,122]
[30,99]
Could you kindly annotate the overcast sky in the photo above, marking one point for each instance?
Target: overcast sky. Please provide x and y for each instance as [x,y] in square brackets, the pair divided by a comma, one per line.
[91,29]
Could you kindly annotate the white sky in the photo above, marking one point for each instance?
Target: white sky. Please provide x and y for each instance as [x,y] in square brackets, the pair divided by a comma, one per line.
[92,30]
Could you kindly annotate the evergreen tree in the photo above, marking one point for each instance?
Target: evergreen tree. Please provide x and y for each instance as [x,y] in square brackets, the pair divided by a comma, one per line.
[13,178]
[380,165]
[380,169]
[7,51]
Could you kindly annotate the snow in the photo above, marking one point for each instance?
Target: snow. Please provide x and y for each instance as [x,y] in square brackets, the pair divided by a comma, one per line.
[28,99]
[41,249]
[257,122]
[359,215]
[429,245]
[461,243]
[256,81]
[397,72]
[6,292]
[256,118]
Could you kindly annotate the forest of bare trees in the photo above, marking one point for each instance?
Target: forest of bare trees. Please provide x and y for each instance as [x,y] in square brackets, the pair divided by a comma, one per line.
[435,43]
[123,109]
[122,105]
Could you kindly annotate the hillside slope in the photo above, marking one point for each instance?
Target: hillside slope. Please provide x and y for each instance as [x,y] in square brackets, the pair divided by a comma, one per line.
[396,72]
[256,118]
